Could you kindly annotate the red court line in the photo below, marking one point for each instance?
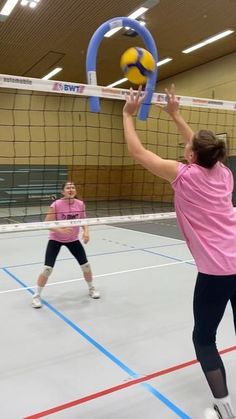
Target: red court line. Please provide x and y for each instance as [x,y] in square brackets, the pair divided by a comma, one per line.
[120,387]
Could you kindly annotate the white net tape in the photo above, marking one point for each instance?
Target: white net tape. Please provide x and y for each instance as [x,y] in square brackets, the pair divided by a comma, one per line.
[79,89]
[46,225]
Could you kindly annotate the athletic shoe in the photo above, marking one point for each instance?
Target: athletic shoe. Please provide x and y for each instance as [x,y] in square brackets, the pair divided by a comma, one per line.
[36,301]
[219,414]
[93,293]
[211,414]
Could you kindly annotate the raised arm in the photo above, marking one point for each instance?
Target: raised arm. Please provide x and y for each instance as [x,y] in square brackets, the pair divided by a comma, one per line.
[172,108]
[166,169]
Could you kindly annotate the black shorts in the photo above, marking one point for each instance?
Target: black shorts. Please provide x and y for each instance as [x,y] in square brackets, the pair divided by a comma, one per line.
[76,249]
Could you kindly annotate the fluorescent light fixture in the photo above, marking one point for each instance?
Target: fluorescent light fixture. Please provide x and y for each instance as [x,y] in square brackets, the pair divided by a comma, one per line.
[30,3]
[162,62]
[208,41]
[116,83]
[133,15]
[138,12]
[8,7]
[142,23]
[52,73]
[112,32]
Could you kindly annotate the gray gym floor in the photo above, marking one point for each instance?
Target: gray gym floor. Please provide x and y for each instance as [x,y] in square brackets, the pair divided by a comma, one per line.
[128,355]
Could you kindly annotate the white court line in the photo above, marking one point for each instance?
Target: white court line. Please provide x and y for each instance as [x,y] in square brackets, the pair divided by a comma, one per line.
[99,276]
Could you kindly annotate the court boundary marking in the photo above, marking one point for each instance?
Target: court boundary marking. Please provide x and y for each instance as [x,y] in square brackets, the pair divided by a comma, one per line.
[168,403]
[131,249]
[105,352]
[69,281]
[119,387]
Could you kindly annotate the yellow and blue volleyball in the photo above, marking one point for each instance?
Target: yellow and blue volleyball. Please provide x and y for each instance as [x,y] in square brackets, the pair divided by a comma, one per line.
[137,65]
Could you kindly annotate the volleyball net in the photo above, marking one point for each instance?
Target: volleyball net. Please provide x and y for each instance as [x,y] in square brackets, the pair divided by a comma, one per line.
[49,135]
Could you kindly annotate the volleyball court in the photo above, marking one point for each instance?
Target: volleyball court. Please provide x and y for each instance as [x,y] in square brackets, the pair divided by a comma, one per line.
[129,354]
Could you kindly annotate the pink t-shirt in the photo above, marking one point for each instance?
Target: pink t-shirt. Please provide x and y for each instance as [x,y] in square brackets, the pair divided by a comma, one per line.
[206,217]
[66,209]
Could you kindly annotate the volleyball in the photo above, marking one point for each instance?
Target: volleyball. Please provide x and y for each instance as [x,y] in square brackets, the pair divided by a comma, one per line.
[137,65]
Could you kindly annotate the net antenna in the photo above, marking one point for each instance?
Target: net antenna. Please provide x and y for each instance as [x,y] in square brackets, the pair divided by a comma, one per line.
[91,58]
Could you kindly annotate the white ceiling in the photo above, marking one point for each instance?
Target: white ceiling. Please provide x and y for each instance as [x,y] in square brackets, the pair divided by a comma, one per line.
[57,33]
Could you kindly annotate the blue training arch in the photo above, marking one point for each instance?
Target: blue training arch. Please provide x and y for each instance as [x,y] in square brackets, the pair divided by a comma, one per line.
[92,58]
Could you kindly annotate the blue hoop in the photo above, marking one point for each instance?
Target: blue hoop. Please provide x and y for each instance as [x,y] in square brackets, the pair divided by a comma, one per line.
[92,57]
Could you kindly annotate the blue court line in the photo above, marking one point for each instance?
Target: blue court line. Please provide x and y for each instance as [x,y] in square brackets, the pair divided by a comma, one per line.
[104,351]
[169,257]
[145,249]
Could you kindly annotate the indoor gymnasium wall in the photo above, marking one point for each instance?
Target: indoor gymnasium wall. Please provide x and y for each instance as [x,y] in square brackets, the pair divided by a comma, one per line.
[60,132]
[216,80]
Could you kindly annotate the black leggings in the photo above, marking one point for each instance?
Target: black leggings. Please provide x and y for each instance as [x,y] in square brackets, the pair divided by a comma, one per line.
[75,248]
[211,295]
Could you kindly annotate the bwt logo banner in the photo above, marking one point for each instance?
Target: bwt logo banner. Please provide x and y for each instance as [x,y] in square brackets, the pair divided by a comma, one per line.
[63,87]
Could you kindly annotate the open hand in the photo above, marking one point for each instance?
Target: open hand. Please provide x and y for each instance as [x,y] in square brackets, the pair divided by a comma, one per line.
[133,101]
[172,105]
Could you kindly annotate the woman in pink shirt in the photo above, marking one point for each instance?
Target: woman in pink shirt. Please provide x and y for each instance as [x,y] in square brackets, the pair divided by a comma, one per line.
[203,202]
[66,208]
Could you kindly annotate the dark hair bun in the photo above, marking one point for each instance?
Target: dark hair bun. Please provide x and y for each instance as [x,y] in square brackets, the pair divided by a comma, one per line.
[208,148]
